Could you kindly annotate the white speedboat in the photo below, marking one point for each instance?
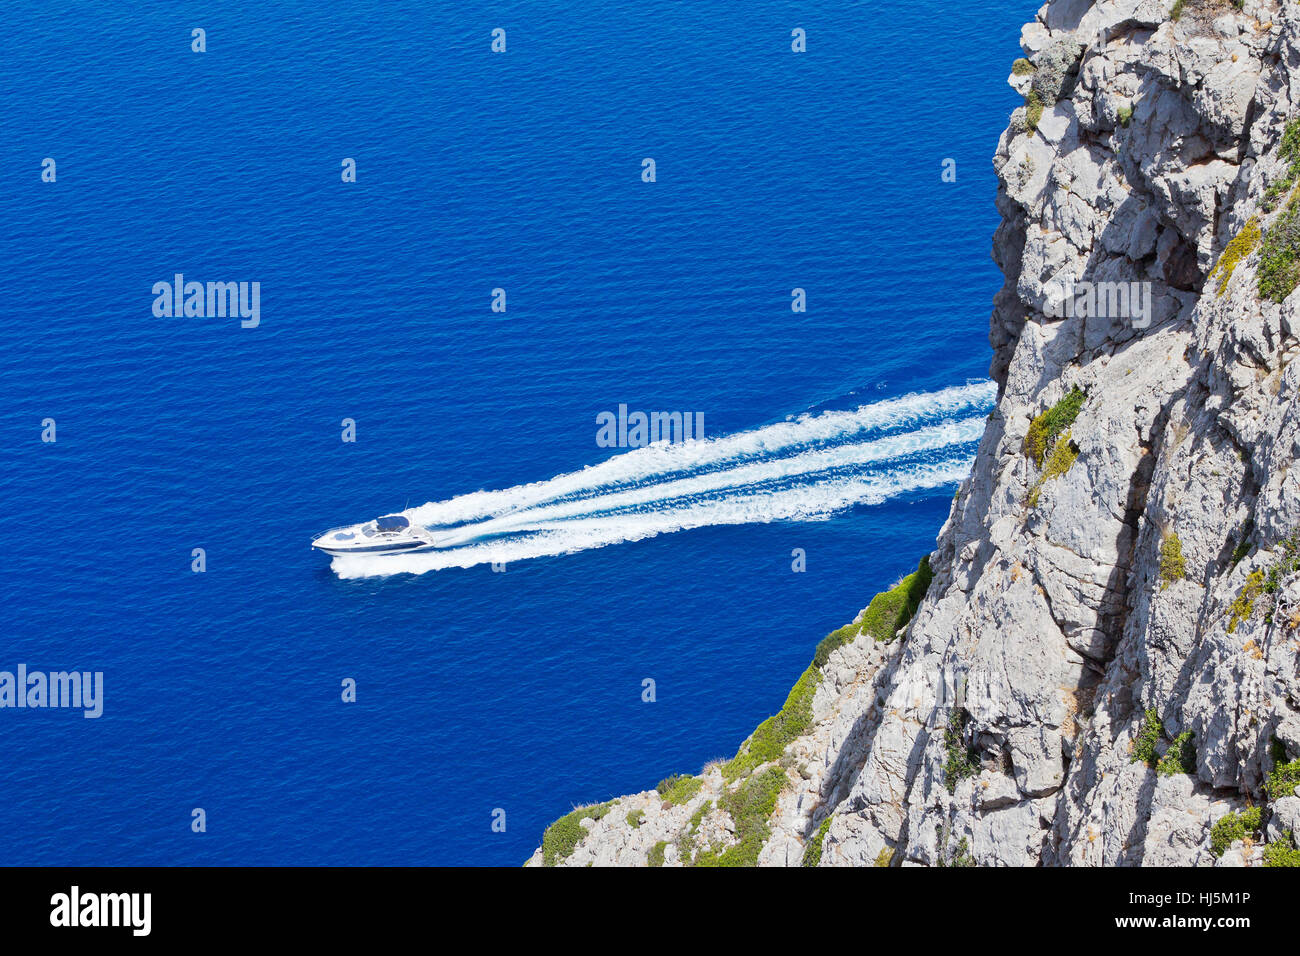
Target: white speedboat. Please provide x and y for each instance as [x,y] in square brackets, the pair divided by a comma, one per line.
[389,534]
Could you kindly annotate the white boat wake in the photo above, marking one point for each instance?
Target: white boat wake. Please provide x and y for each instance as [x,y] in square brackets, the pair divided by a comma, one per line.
[800,470]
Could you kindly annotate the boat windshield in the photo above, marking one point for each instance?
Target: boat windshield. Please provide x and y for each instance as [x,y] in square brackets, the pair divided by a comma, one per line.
[392,523]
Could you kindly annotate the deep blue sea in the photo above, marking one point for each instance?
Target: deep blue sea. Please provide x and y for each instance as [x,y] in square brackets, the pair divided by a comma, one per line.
[477,690]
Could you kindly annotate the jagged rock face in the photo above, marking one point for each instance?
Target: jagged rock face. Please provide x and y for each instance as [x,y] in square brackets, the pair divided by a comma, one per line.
[1057,614]
[1000,729]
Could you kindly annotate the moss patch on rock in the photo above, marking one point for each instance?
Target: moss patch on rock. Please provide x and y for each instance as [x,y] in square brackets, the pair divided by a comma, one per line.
[1243,605]
[1173,566]
[1241,246]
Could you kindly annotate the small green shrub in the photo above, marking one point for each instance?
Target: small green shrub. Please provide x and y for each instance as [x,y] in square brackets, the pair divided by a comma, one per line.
[1283,780]
[1064,454]
[1022,67]
[1289,151]
[635,817]
[1282,852]
[837,639]
[1176,13]
[884,858]
[813,855]
[679,788]
[1243,605]
[1033,110]
[562,837]
[1279,264]
[1290,146]
[1241,246]
[1048,426]
[1243,544]
[1173,567]
[960,857]
[1179,758]
[1144,745]
[1232,827]
[1286,563]
[698,816]
[656,855]
[962,761]
[1125,115]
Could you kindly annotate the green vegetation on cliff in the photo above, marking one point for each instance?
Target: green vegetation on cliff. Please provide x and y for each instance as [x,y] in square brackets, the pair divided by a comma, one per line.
[1243,605]
[1241,246]
[1290,152]
[1279,264]
[1282,852]
[1064,454]
[1283,780]
[961,760]
[1173,566]
[813,854]
[1144,745]
[1288,562]
[1048,426]
[773,735]
[1033,110]
[1179,758]
[564,835]
[1232,827]
[749,805]
[679,788]
[1279,267]
[886,615]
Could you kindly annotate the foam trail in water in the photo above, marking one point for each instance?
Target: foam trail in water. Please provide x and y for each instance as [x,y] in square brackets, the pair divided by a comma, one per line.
[891,448]
[819,499]
[660,461]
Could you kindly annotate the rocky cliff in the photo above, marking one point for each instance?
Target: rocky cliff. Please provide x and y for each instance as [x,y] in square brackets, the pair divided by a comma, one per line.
[1100,662]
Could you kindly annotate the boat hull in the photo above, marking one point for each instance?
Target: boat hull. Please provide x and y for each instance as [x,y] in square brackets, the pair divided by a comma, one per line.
[374,549]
